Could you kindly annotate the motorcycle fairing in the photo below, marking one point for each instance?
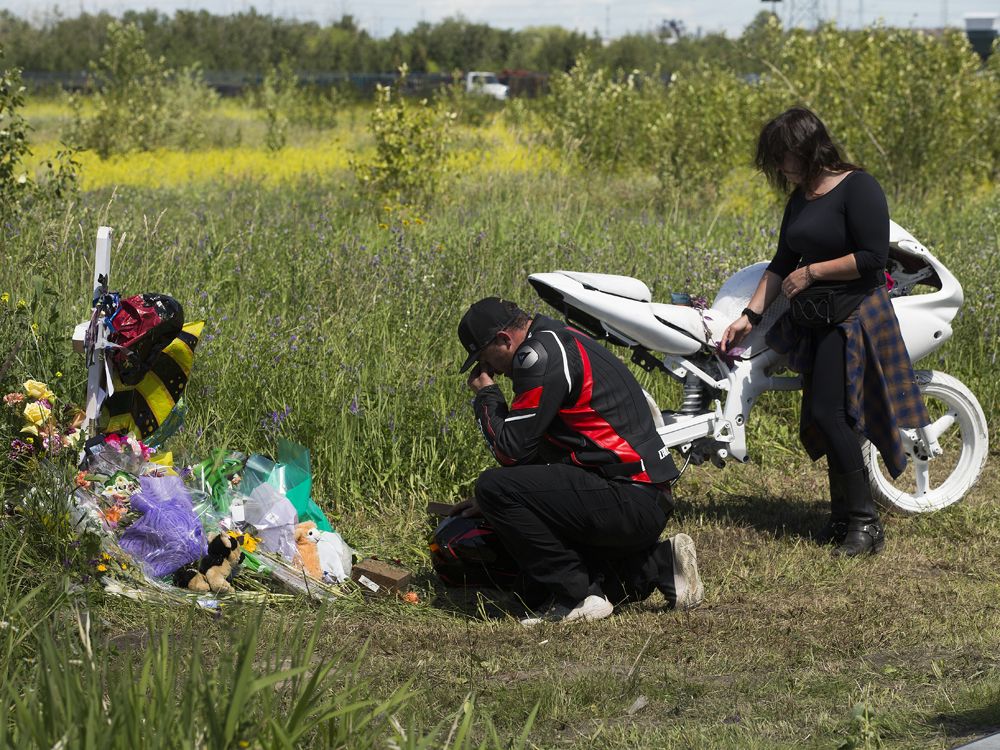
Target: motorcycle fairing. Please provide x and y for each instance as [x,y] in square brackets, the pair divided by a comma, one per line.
[620,306]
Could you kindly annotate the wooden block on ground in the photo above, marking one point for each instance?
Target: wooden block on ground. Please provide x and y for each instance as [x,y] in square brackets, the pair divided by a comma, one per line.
[379,578]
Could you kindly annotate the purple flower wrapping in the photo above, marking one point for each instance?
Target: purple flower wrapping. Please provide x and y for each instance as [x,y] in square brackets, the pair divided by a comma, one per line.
[168,535]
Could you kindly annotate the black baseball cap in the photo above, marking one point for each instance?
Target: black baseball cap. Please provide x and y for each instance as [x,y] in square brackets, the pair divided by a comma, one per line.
[482,322]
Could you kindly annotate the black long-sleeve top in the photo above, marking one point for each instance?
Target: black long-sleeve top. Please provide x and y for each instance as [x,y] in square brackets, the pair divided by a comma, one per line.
[852,218]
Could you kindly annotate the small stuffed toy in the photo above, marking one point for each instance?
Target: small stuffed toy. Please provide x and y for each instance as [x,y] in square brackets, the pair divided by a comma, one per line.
[335,556]
[308,552]
[216,569]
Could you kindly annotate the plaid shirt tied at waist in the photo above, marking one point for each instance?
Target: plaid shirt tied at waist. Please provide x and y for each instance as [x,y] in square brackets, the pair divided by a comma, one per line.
[882,391]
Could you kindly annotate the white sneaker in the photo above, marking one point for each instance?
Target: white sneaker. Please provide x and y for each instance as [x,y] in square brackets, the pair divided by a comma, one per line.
[592,608]
[687,583]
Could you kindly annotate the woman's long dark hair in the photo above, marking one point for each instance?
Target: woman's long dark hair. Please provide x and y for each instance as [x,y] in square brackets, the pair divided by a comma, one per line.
[799,132]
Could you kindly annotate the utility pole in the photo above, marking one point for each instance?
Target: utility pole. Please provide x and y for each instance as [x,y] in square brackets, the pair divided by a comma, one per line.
[607,22]
[807,14]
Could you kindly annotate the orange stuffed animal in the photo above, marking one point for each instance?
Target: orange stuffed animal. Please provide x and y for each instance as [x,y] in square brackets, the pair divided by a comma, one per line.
[308,552]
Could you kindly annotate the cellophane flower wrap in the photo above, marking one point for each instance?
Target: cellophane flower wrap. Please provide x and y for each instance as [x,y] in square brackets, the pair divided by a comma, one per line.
[168,534]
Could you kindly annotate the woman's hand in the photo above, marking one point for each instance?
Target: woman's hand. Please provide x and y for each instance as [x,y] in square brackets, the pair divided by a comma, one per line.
[735,333]
[796,281]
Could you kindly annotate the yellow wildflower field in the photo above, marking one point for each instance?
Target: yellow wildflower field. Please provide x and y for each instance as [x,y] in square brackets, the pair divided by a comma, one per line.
[489,150]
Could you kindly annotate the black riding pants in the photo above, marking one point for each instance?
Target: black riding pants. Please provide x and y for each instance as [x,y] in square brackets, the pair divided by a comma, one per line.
[576,533]
[828,402]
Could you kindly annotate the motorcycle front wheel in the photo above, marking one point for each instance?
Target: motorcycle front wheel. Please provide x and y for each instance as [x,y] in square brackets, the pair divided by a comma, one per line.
[935,480]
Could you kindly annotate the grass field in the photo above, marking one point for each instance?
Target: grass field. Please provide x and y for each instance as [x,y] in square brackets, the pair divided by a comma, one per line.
[331,322]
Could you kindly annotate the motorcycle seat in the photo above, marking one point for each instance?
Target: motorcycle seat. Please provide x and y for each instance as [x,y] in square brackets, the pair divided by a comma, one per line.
[609,283]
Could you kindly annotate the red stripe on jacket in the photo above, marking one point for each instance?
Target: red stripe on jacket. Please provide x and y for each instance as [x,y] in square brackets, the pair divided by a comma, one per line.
[530,399]
[582,418]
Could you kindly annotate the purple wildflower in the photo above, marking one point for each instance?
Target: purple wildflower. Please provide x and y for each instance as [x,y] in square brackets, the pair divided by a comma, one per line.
[354,408]
[273,421]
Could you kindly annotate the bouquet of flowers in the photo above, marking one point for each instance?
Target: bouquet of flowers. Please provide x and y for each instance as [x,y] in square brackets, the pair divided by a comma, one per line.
[106,487]
[43,425]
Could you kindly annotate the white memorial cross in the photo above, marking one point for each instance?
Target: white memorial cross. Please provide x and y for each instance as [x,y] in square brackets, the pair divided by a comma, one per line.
[98,377]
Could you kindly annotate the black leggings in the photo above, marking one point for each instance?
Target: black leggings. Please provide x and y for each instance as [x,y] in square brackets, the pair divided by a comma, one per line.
[828,402]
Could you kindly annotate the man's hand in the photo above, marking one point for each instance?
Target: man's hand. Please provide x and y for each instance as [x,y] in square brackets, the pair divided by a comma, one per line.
[479,378]
[466,509]
[796,281]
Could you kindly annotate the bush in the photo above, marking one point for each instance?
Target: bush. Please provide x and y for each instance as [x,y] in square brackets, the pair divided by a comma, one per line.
[57,179]
[316,107]
[917,111]
[706,127]
[603,121]
[140,104]
[411,143]
[13,138]
[277,92]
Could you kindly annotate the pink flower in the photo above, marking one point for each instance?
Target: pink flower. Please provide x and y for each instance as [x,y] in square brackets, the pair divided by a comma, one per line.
[13,399]
[116,441]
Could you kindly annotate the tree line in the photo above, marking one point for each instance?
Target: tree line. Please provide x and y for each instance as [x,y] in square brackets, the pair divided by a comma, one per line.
[254,42]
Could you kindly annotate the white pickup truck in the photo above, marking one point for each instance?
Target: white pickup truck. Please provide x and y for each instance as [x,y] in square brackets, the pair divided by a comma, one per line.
[483,82]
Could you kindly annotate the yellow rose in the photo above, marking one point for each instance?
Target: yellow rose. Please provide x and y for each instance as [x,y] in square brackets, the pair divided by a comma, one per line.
[36,413]
[37,389]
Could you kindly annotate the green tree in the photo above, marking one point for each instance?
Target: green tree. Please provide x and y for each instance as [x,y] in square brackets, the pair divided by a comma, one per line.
[140,103]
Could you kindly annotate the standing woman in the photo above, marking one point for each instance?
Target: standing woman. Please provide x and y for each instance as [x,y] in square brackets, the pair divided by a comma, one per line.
[841,331]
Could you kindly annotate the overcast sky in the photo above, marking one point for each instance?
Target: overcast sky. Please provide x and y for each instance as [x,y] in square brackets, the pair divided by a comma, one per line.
[614,18]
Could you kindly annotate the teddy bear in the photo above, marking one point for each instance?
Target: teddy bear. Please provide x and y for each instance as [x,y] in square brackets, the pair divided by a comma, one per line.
[216,569]
[308,552]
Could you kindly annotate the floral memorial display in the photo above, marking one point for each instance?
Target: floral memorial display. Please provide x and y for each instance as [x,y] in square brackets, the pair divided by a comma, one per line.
[225,526]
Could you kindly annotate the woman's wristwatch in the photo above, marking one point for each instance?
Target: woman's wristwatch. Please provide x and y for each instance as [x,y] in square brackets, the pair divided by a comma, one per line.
[753,317]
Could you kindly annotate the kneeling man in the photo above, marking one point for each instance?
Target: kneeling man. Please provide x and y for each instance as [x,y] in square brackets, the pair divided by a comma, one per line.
[582,492]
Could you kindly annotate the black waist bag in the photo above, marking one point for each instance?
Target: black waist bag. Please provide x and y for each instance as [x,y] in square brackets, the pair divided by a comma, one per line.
[827,305]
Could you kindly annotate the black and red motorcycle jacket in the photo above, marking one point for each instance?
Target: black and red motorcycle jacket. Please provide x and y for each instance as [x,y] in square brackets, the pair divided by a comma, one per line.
[574,402]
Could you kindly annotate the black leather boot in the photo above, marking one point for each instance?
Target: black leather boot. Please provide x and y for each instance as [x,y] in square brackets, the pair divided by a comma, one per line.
[836,525]
[864,531]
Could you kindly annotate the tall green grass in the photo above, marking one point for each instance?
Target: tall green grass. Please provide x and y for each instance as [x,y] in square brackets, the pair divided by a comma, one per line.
[325,327]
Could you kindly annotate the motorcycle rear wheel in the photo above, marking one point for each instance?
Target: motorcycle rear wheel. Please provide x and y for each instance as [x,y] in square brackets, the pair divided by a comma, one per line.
[931,483]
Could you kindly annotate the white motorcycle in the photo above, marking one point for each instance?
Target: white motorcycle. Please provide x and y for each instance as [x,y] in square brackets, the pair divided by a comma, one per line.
[945,457]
